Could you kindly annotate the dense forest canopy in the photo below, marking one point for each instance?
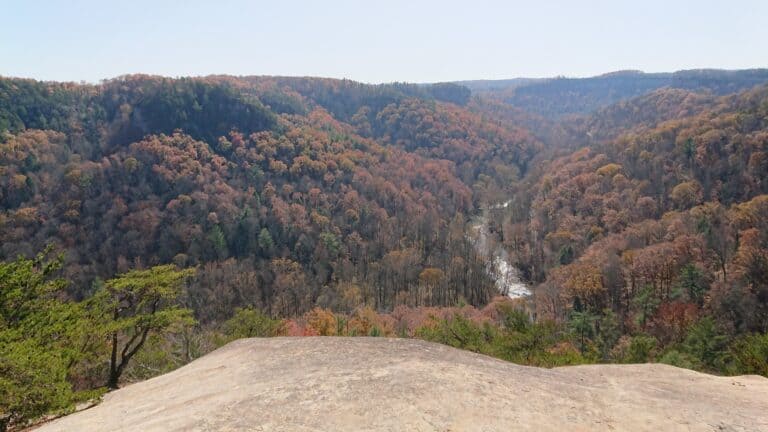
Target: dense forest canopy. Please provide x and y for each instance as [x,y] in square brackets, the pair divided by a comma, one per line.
[147,170]
[634,205]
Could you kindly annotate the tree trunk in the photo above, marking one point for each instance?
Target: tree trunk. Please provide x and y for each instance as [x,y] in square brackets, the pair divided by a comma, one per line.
[722,266]
[113,373]
[5,419]
[114,377]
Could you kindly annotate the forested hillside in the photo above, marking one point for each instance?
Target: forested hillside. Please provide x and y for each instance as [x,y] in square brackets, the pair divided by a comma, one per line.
[653,234]
[146,220]
[341,189]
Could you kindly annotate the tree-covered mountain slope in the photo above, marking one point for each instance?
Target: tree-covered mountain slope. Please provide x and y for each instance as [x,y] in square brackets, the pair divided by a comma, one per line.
[312,186]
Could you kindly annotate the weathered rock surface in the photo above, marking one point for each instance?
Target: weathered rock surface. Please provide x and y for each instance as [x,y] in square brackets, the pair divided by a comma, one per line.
[376,384]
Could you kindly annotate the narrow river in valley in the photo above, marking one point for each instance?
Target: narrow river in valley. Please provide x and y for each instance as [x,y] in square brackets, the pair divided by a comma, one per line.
[505,275]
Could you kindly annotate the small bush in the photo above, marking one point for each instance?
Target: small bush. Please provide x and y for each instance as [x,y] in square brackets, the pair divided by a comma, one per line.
[250,322]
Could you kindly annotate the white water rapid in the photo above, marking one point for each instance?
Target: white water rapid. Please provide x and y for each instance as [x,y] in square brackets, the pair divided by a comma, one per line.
[506,276]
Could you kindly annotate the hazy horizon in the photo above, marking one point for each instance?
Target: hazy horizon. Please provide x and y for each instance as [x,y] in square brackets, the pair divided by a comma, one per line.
[431,41]
[329,77]
[389,82]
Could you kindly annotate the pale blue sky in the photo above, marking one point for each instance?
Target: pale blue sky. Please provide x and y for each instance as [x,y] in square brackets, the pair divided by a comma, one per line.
[382,41]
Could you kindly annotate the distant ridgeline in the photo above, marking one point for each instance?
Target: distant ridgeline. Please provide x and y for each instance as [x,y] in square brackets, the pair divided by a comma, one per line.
[562,96]
[133,106]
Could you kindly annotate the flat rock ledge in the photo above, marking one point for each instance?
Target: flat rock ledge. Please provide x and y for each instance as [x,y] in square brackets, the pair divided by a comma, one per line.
[379,384]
